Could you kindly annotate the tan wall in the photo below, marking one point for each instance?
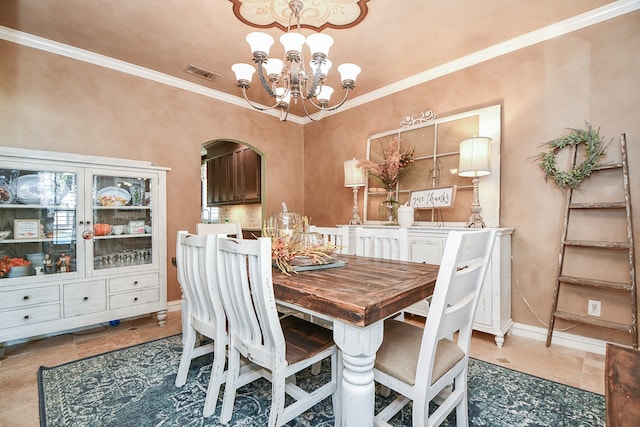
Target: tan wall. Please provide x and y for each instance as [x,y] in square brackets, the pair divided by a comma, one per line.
[55,103]
[588,75]
[50,102]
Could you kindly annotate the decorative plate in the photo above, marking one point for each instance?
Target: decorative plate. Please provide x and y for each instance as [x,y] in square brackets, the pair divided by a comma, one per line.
[33,190]
[302,261]
[113,196]
[28,190]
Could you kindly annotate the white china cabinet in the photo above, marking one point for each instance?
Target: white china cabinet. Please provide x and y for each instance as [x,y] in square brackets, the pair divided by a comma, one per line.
[493,315]
[82,241]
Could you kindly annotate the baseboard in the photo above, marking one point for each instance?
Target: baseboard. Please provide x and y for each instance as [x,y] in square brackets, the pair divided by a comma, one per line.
[174,305]
[560,338]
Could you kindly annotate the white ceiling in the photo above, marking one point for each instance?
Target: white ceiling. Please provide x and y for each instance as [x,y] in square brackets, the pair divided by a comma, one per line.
[398,44]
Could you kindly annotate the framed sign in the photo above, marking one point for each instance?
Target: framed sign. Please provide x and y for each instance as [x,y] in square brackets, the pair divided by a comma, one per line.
[136,227]
[26,229]
[434,198]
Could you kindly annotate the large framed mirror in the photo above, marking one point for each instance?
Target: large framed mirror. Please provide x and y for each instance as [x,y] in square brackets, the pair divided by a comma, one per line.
[436,158]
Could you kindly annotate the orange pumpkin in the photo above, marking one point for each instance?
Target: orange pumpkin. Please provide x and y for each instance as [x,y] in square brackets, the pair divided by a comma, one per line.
[101,229]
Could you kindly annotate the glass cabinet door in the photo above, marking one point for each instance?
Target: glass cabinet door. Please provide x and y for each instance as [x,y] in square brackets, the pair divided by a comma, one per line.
[38,210]
[122,218]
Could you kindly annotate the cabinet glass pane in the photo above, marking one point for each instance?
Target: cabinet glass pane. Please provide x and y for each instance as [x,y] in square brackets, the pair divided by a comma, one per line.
[122,218]
[37,221]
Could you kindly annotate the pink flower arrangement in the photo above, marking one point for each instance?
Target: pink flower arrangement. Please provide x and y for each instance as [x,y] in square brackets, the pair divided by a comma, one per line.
[394,164]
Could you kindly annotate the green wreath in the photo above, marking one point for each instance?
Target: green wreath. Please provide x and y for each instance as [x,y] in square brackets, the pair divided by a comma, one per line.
[593,151]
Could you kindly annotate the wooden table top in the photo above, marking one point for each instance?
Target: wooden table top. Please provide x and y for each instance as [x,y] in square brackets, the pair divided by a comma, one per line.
[362,292]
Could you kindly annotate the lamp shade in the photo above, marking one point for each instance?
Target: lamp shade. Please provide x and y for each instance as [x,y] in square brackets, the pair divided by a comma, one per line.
[259,42]
[319,43]
[325,94]
[353,175]
[349,72]
[292,42]
[243,71]
[475,157]
[273,66]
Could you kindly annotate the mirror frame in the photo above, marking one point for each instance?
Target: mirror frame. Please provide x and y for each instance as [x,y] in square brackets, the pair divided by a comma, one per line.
[489,124]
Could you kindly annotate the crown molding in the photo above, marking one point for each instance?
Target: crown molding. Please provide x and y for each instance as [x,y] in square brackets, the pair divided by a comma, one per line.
[62,49]
[595,16]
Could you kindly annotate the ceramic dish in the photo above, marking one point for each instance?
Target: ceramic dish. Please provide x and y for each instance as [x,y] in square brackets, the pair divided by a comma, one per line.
[4,235]
[28,190]
[113,196]
[19,271]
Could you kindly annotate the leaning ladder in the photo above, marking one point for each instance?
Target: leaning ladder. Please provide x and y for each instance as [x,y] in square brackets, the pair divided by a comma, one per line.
[627,287]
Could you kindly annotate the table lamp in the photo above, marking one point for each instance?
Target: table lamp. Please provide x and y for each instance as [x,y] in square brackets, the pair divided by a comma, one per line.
[475,156]
[354,177]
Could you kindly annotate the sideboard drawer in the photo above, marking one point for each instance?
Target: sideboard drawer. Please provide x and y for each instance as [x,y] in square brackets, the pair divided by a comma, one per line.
[31,296]
[29,315]
[131,283]
[130,299]
[85,298]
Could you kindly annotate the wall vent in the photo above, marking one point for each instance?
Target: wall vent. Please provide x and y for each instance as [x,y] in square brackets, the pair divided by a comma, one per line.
[202,73]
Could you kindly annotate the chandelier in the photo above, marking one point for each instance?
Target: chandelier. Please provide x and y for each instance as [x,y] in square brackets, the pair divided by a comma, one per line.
[287,80]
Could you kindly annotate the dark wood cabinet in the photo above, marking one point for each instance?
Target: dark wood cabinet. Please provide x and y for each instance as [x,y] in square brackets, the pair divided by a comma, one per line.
[234,177]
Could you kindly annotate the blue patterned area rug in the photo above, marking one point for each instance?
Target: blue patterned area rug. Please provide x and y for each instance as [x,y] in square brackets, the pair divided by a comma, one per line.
[135,387]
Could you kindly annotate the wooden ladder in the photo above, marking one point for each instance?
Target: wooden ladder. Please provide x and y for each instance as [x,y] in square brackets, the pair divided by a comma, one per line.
[626,287]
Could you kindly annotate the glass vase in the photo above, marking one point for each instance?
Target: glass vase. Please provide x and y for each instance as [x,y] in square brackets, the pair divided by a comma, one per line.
[388,211]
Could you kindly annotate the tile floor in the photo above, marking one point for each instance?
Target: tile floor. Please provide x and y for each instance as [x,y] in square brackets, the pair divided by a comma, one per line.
[19,363]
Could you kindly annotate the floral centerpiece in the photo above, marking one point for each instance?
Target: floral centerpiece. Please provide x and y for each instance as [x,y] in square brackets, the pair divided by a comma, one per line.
[388,172]
[299,248]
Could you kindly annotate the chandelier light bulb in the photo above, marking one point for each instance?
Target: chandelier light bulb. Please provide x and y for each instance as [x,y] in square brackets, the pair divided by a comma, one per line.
[324,67]
[283,97]
[260,43]
[325,95]
[319,44]
[273,66]
[349,73]
[243,72]
[292,43]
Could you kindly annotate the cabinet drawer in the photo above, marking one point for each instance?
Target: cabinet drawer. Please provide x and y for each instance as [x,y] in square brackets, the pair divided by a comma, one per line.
[131,283]
[84,298]
[131,299]
[427,249]
[29,315]
[27,297]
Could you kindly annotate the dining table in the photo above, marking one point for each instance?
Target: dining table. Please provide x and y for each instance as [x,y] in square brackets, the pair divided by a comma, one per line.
[356,294]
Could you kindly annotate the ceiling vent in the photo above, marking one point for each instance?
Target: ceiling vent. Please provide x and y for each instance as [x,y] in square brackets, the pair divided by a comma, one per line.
[202,73]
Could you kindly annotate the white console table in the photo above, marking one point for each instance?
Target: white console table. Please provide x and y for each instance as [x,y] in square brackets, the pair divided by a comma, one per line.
[493,315]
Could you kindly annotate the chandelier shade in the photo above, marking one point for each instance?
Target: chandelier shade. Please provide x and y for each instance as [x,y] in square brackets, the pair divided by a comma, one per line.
[287,80]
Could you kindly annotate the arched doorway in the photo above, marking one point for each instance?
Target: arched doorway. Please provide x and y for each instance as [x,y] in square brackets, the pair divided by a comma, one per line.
[232,184]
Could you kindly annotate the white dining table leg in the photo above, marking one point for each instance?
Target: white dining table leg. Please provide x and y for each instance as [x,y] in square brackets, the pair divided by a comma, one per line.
[358,346]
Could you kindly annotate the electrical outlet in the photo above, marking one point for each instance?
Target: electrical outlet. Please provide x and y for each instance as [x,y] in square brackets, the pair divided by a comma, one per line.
[593,309]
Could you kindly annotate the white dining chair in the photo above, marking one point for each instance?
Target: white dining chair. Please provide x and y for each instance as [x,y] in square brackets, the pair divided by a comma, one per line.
[338,236]
[204,312]
[226,228]
[281,346]
[204,316]
[388,243]
[420,364]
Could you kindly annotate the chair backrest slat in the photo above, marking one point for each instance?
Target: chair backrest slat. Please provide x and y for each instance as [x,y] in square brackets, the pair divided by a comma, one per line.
[390,243]
[246,289]
[197,278]
[226,228]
